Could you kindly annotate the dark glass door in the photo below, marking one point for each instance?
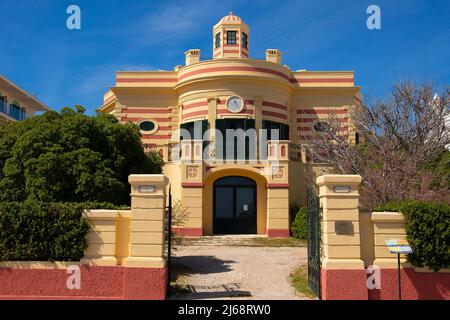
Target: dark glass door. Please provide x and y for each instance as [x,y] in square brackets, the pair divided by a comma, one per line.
[234,206]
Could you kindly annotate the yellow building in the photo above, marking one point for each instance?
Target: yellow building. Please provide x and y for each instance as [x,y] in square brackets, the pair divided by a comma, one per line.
[223,190]
[16,104]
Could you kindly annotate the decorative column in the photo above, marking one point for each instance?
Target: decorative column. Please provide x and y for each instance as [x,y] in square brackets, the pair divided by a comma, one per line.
[278,190]
[192,198]
[148,203]
[342,275]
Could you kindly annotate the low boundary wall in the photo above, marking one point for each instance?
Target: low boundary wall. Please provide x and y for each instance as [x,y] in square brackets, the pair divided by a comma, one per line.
[356,263]
[124,259]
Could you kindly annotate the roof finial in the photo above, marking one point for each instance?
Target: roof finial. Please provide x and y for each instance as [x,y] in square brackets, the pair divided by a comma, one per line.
[231,13]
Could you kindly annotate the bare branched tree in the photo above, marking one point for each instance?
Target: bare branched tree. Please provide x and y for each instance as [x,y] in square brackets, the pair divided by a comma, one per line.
[399,136]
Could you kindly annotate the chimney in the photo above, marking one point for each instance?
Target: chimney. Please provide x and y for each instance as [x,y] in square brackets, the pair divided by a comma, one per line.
[192,56]
[273,55]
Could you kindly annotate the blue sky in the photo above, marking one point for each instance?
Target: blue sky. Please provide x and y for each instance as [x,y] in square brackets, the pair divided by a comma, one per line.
[65,67]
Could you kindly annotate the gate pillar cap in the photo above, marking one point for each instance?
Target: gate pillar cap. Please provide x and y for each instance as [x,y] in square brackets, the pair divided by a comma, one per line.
[338,178]
[148,178]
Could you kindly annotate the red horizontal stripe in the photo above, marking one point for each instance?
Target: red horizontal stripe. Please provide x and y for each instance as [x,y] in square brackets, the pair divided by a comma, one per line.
[221,69]
[109,99]
[230,51]
[306,137]
[192,184]
[245,111]
[247,102]
[278,185]
[195,104]
[134,119]
[119,80]
[323,80]
[315,119]
[310,129]
[322,111]
[313,137]
[146,110]
[150,136]
[194,114]
[274,114]
[165,128]
[274,105]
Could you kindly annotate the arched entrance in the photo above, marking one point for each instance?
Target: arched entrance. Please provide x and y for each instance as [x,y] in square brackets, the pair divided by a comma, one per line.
[234,205]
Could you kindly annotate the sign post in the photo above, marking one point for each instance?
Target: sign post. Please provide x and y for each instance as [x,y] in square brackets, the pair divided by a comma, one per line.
[398,247]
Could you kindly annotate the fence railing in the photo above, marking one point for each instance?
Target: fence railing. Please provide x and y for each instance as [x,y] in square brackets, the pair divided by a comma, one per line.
[198,150]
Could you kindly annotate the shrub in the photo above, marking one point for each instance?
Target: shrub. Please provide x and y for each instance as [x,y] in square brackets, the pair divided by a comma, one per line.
[71,157]
[428,231]
[38,231]
[299,227]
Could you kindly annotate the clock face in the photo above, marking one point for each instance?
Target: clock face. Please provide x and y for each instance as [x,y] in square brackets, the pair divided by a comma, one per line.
[235,104]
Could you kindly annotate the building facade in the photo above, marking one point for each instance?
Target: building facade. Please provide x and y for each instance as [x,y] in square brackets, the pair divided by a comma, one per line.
[16,104]
[187,113]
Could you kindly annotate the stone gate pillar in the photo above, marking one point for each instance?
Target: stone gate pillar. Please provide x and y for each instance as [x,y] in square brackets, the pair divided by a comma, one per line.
[342,275]
[146,260]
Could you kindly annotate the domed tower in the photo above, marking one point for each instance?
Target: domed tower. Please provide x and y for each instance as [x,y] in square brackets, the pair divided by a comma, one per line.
[231,38]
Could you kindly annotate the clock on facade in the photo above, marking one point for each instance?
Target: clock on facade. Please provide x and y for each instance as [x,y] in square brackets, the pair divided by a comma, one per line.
[235,104]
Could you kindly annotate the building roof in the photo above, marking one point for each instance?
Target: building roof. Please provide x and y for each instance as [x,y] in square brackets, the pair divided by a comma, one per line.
[22,95]
[231,18]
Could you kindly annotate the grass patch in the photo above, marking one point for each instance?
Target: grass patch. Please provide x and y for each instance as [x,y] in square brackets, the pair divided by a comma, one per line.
[178,275]
[277,242]
[299,280]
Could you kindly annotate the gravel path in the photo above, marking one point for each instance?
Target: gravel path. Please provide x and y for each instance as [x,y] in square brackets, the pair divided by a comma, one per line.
[237,272]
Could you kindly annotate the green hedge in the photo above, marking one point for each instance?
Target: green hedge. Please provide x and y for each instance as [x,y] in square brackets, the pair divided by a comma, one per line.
[428,231]
[299,228]
[38,231]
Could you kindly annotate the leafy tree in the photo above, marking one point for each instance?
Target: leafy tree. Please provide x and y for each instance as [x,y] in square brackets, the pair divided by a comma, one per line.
[71,157]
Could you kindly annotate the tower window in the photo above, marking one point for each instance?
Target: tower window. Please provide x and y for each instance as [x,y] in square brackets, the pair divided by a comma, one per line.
[231,37]
[218,40]
[244,40]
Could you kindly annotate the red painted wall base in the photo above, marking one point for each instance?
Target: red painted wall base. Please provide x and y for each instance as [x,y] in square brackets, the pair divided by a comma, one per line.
[343,284]
[352,285]
[415,285]
[188,232]
[96,283]
[278,233]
